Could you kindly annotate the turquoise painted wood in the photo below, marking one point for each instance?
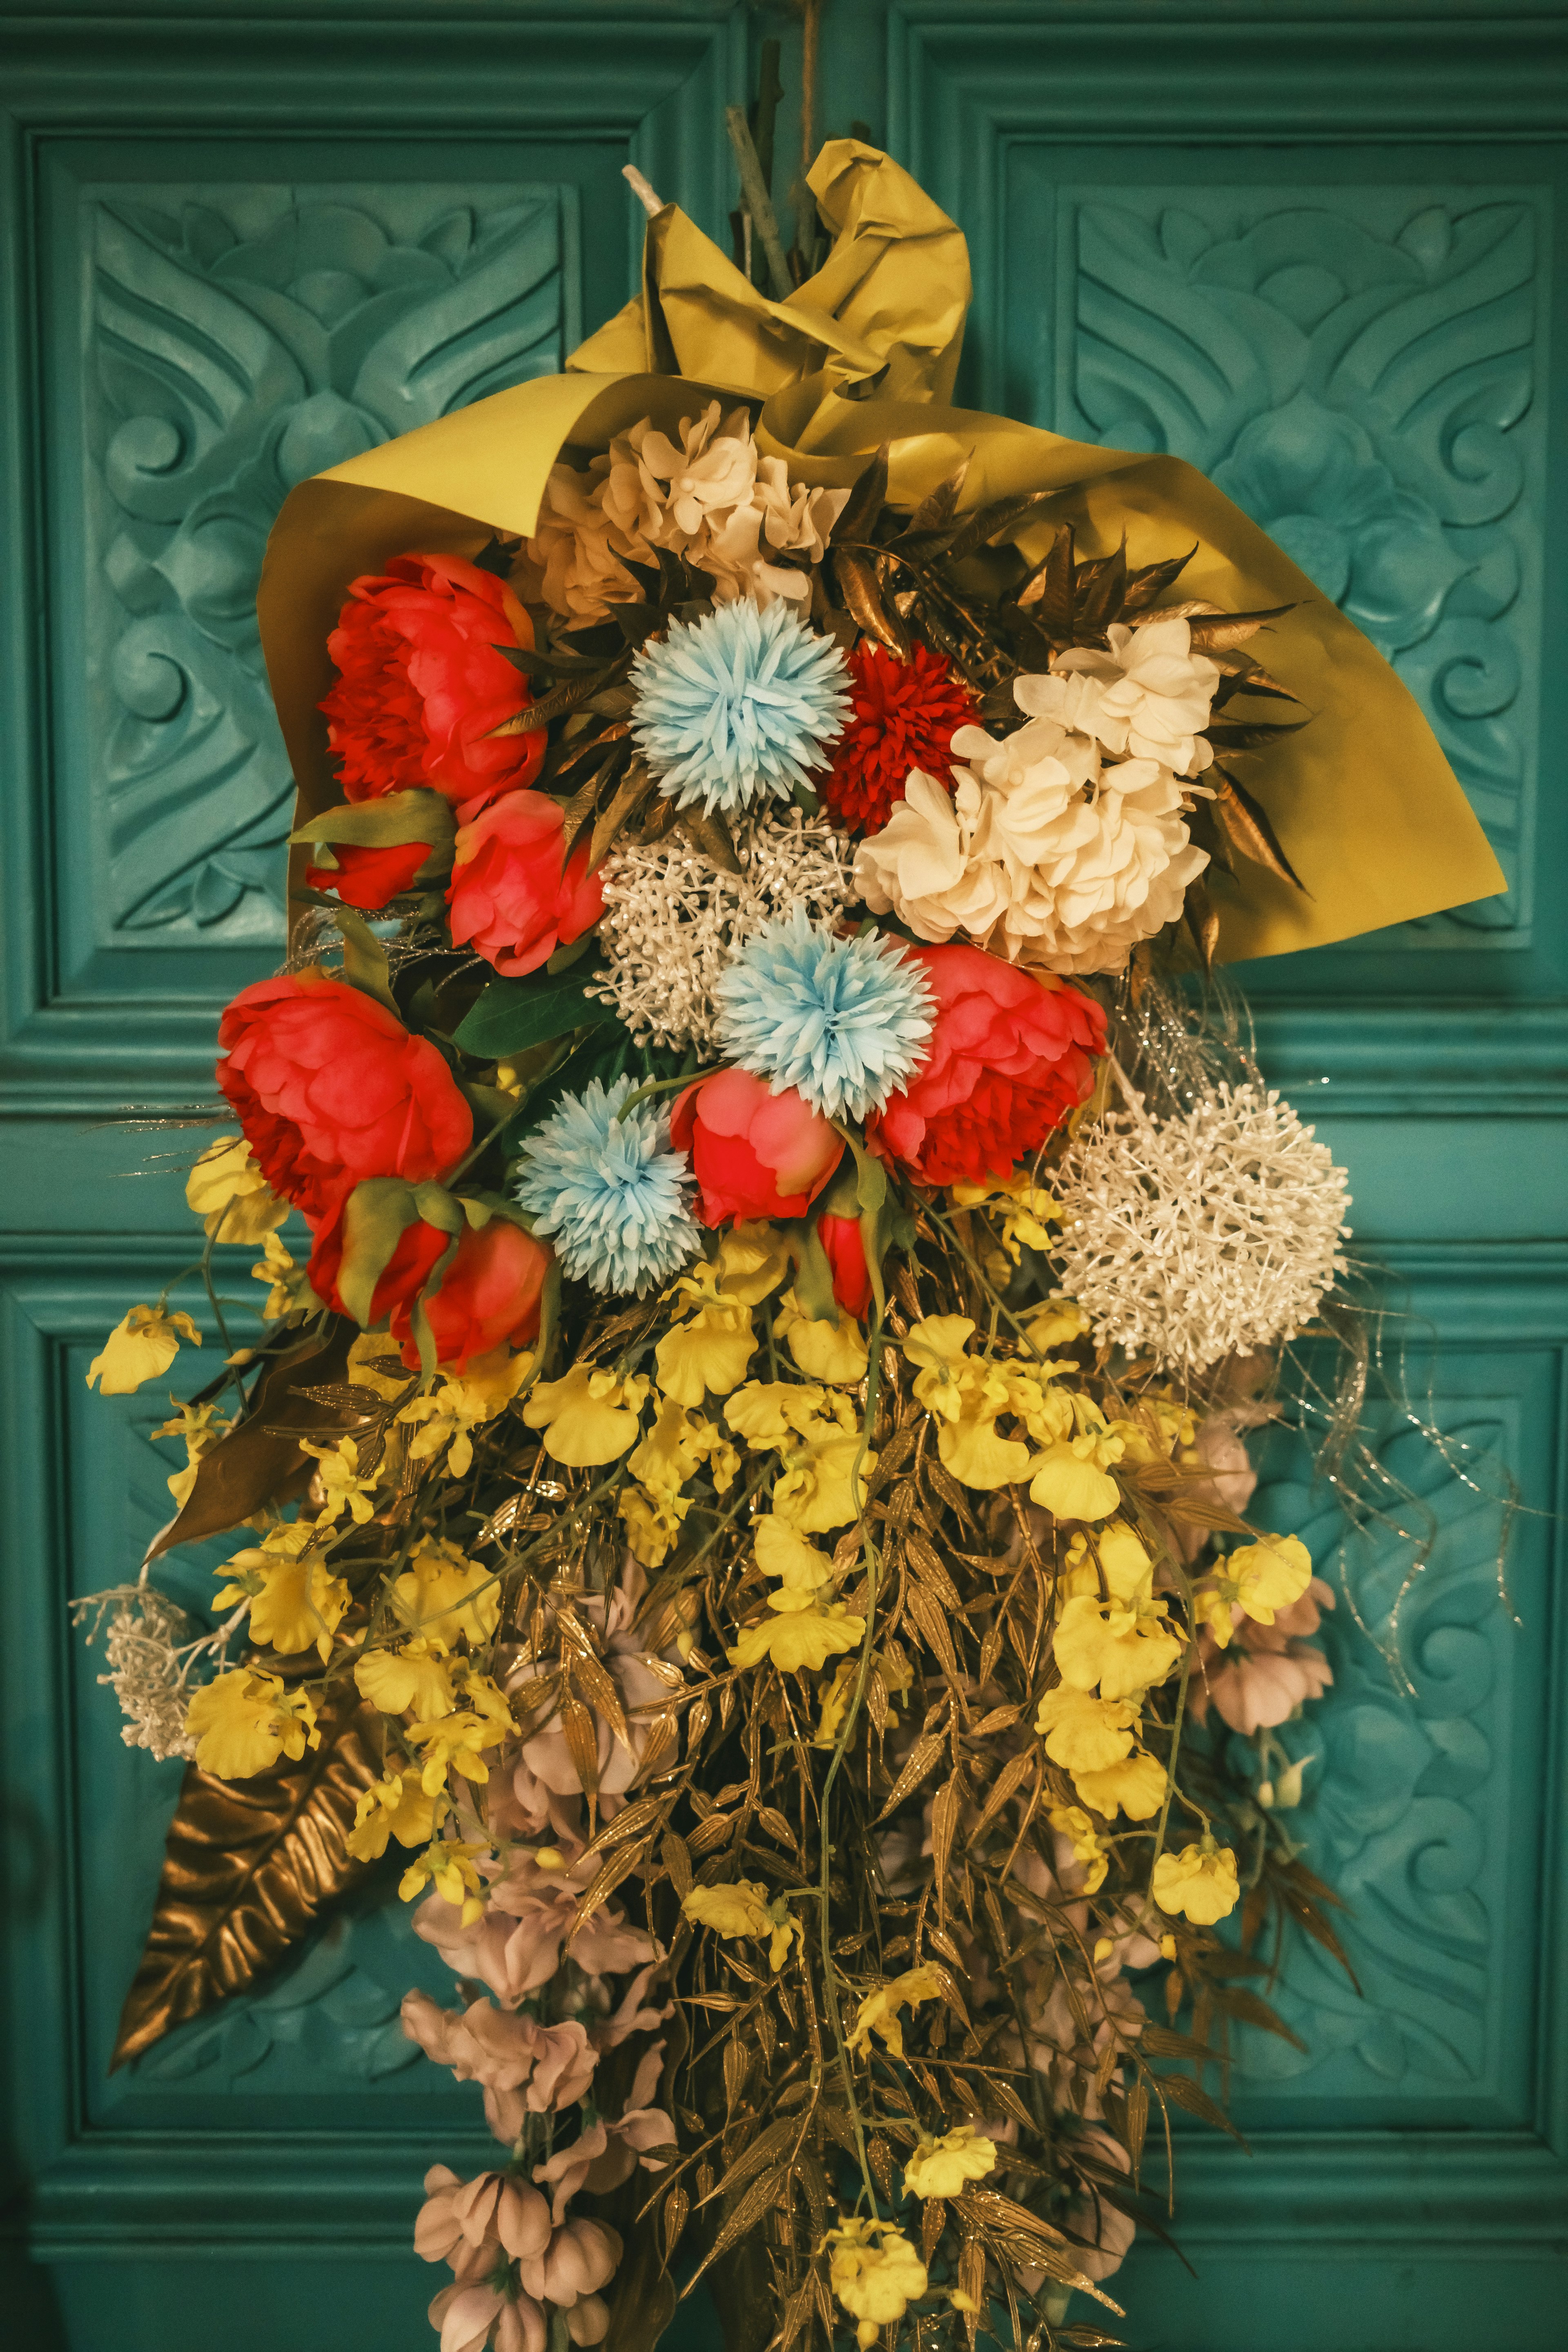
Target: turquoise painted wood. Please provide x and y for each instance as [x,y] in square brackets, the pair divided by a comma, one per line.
[1317,250]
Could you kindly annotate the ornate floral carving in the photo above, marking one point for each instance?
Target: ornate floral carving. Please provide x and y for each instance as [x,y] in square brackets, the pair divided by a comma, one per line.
[1406,1793]
[242,338]
[1357,375]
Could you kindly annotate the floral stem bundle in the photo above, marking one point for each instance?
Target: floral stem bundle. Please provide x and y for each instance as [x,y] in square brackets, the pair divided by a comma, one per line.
[757,1431]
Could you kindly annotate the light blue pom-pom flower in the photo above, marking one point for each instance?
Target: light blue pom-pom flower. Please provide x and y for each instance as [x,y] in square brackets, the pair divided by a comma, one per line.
[739,707]
[610,1193]
[844,1022]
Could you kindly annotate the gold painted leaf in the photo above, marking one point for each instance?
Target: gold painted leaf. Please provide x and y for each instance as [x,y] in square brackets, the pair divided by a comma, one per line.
[259,1461]
[249,1867]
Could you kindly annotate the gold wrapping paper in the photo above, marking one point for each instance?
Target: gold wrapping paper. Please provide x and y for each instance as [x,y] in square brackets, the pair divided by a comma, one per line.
[1368,810]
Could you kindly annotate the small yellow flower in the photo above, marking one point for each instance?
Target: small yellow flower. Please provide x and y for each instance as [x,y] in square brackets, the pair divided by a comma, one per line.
[1069,1482]
[653,1522]
[462,1405]
[141,1347]
[824,1482]
[741,1908]
[879,2012]
[753,1262]
[939,2167]
[1057,1324]
[804,1636]
[1264,1578]
[396,1807]
[769,1415]
[343,1488]
[1083,1733]
[300,1603]
[835,1704]
[1023,1209]
[290,1291]
[228,1192]
[588,1417]
[448,1865]
[373,1363]
[1087,1846]
[706,1354]
[875,2283]
[243,1722]
[452,1743]
[445,1597]
[834,1353]
[1124,1646]
[783,1551]
[411,1676]
[1199,1881]
[1135,1785]
[201,1428]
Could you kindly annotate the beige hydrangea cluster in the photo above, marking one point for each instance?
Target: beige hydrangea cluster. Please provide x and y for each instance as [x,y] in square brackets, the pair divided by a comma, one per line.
[709,499]
[1063,844]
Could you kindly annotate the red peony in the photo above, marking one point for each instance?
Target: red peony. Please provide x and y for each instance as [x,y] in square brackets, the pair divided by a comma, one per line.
[1009,1058]
[330,1087]
[904,716]
[756,1154]
[370,877]
[510,900]
[423,686]
[490,1296]
[840,1237]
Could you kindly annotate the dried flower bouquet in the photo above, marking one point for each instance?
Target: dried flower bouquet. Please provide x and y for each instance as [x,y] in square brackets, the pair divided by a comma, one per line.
[757,1434]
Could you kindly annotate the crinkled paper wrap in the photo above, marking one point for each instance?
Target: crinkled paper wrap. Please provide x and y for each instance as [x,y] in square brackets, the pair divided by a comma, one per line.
[1369,811]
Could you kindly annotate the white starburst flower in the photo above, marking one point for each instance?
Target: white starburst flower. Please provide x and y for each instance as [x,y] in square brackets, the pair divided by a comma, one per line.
[1205,1236]
[675,922]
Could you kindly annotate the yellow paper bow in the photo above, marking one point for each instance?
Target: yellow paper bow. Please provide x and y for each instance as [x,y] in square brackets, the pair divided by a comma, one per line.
[1366,807]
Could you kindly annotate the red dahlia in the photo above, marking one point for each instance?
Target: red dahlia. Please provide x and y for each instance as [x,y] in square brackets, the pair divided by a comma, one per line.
[905,713]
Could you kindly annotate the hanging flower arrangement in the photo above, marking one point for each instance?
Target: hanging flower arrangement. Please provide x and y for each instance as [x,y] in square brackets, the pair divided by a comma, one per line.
[750,1435]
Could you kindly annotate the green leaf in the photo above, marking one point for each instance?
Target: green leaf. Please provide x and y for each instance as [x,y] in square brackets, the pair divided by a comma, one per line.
[513,1014]
[381,824]
[377,1214]
[364,959]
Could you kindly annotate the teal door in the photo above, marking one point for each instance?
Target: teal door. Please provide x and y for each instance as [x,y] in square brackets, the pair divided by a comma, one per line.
[1316,250]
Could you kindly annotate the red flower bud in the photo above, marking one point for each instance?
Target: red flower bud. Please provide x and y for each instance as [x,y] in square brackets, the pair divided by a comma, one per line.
[840,1237]
[756,1154]
[510,898]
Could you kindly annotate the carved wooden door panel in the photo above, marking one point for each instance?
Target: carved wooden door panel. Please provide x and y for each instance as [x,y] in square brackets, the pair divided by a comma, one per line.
[1317,253]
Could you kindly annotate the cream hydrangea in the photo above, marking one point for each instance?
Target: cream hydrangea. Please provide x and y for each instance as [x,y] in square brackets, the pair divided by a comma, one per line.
[1146,697]
[1044,853]
[706,496]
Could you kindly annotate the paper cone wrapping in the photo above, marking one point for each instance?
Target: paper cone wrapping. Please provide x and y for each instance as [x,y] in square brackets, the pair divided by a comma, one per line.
[1365,805]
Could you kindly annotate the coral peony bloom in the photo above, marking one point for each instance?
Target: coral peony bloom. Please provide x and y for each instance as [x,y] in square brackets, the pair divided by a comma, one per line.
[1009,1058]
[840,1237]
[425,682]
[511,897]
[905,714]
[489,1297]
[370,877]
[330,1087]
[756,1154]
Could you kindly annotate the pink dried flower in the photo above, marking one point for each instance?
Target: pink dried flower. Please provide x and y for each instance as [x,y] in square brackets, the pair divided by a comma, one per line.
[525,2067]
[1269,1670]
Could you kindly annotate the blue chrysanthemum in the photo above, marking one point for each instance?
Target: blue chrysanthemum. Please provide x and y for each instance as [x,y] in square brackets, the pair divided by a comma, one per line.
[739,707]
[844,1021]
[610,1193]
